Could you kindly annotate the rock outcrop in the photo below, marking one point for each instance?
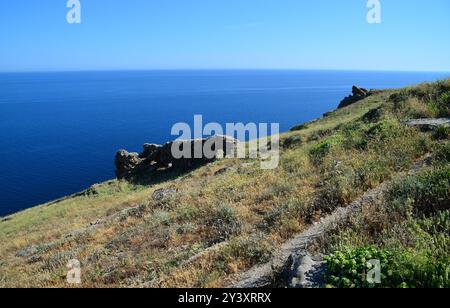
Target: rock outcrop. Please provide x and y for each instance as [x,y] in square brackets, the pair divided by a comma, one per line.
[357,95]
[304,271]
[428,124]
[131,166]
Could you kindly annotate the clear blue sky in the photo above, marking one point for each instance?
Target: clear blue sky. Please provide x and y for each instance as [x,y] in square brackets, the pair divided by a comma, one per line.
[208,34]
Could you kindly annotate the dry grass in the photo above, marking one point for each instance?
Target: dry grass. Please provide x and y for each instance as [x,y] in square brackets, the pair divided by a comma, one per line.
[216,225]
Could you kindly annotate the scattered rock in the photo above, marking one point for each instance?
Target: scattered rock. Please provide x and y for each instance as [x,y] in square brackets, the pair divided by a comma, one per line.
[357,95]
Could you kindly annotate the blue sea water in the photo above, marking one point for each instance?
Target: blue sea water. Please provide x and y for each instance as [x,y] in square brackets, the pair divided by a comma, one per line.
[59,131]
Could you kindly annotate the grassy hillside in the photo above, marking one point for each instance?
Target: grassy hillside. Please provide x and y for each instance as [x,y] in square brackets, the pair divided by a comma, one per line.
[213,225]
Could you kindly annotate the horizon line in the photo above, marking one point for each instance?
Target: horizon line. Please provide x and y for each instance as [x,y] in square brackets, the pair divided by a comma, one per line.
[219,69]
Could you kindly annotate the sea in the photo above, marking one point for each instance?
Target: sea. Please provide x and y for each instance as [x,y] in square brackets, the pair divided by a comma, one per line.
[59,131]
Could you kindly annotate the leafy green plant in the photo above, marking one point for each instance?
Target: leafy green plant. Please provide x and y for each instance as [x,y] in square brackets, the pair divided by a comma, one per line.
[348,268]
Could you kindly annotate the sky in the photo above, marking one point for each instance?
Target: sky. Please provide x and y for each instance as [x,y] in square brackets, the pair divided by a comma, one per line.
[414,35]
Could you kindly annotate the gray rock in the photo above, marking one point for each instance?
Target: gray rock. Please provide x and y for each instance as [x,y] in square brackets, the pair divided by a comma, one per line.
[304,272]
[163,194]
[428,124]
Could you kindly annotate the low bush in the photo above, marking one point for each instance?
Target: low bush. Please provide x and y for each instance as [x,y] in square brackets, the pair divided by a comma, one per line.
[442,154]
[222,224]
[323,148]
[428,193]
[349,267]
[442,132]
[251,249]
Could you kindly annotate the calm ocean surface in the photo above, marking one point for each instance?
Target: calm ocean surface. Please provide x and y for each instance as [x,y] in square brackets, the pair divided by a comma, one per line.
[59,131]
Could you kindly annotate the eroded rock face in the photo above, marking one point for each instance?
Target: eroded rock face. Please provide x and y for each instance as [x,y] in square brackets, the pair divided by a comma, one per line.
[134,165]
[126,164]
[357,95]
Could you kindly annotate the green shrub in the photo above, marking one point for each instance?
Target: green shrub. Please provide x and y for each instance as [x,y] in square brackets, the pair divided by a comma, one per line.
[348,268]
[355,137]
[442,104]
[319,134]
[442,132]
[399,97]
[440,223]
[319,151]
[409,269]
[372,174]
[428,193]
[386,129]
[442,154]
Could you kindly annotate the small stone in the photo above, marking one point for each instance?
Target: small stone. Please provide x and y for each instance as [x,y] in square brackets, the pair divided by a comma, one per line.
[163,194]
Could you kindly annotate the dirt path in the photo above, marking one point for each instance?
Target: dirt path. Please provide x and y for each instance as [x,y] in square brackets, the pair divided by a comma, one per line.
[263,275]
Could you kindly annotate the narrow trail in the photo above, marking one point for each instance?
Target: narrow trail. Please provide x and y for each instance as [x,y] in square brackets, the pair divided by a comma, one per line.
[264,275]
